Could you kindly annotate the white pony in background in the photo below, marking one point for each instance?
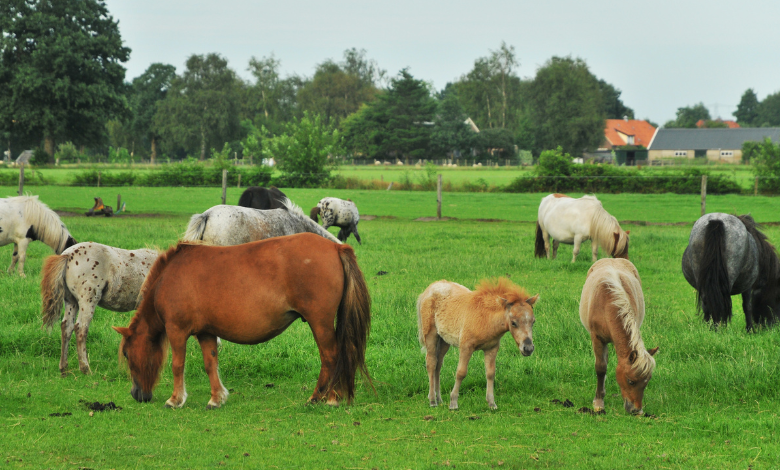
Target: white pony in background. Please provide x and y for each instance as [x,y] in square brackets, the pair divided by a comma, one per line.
[338,212]
[572,221]
[233,225]
[85,276]
[24,219]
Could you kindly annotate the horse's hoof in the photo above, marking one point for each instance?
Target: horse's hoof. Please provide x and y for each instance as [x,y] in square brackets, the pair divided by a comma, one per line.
[211,406]
[453,407]
[596,409]
[493,407]
[434,404]
[85,370]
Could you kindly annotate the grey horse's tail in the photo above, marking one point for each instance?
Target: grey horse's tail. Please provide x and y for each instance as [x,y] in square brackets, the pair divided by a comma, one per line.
[539,250]
[196,228]
[53,289]
[714,291]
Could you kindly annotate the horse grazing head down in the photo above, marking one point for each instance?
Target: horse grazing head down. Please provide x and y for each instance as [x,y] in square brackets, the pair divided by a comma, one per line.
[620,248]
[633,376]
[144,359]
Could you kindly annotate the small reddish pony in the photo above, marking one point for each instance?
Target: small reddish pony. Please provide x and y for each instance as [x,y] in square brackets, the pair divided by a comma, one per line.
[612,308]
[450,314]
[249,294]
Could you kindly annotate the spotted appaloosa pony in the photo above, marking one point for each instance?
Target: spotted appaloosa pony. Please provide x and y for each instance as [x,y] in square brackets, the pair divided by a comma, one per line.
[249,294]
[450,314]
[24,219]
[84,276]
[612,308]
[572,221]
[338,212]
[257,197]
[728,255]
[233,225]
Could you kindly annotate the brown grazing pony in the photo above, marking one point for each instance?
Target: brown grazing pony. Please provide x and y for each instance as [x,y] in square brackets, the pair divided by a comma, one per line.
[448,314]
[249,294]
[612,308]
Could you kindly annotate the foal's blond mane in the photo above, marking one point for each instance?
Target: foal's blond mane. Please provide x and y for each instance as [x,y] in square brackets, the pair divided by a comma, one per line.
[488,290]
[603,227]
[616,282]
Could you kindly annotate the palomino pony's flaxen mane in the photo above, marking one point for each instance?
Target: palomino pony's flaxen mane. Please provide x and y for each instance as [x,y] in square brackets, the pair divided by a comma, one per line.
[488,290]
[563,219]
[24,219]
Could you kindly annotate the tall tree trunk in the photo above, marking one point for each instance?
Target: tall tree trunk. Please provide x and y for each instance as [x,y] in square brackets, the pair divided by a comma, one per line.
[154,150]
[503,93]
[265,108]
[48,144]
[490,118]
[202,142]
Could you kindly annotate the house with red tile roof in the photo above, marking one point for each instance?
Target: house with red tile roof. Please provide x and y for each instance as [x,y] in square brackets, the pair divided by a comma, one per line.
[701,123]
[628,138]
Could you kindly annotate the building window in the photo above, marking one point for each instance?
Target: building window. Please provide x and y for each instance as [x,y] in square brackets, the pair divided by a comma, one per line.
[630,140]
[681,153]
[726,153]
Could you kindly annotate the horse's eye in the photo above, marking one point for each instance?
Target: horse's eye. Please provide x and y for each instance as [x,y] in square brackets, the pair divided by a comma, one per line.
[631,382]
[514,324]
[125,354]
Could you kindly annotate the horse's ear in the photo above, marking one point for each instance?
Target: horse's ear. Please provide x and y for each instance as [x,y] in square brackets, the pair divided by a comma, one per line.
[653,351]
[628,231]
[505,303]
[531,301]
[125,332]
[632,357]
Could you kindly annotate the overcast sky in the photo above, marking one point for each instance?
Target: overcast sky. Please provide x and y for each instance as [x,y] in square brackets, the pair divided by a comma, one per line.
[663,54]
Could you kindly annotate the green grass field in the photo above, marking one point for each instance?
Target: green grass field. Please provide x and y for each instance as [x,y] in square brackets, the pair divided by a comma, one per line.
[714,393]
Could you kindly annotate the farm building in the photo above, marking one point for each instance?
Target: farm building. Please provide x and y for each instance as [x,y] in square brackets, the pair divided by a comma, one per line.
[723,145]
[628,139]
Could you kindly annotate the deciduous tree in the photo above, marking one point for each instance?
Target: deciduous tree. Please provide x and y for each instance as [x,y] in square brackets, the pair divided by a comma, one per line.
[747,109]
[148,90]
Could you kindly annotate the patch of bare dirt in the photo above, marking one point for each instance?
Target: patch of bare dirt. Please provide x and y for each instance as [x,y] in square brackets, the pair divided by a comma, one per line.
[434,219]
[121,215]
[489,220]
[644,222]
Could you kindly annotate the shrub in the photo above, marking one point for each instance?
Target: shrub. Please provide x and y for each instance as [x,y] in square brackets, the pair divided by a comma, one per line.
[66,152]
[766,165]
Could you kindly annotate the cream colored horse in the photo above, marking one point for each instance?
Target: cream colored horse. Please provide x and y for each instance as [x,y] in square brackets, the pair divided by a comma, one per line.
[612,308]
[573,221]
[449,314]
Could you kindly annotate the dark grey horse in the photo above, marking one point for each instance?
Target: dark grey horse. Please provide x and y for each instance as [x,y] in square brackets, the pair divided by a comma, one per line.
[728,255]
[257,197]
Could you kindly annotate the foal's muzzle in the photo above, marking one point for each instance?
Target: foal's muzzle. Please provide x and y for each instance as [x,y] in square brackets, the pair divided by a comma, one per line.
[630,408]
[528,347]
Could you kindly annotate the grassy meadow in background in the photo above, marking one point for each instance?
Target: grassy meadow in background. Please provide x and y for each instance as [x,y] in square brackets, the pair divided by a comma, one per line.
[714,395]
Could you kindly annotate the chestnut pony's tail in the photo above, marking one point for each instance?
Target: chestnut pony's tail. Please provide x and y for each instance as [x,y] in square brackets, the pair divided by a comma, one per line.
[353,323]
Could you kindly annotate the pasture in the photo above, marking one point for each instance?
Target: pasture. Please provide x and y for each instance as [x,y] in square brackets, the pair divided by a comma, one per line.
[713,397]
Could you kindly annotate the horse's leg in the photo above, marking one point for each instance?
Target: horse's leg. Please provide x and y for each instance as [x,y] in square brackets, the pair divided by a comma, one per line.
[601,352]
[595,249]
[21,255]
[555,245]
[431,363]
[178,354]
[443,347]
[490,373]
[325,337]
[87,304]
[747,306]
[353,228]
[67,326]
[547,247]
[219,394]
[14,258]
[343,235]
[576,250]
[463,365]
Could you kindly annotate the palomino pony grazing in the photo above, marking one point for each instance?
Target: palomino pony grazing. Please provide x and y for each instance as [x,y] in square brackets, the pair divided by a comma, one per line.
[448,314]
[572,221]
[84,276]
[24,219]
[612,308]
[249,294]
[343,214]
[233,225]
[728,255]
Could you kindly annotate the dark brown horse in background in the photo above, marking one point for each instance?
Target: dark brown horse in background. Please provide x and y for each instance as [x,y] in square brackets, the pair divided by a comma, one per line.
[249,294]
[257,197]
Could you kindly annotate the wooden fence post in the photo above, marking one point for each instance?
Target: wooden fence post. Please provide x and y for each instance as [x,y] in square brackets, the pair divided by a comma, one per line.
[239,181]
[118,202]
[438,198]
[98,184]
[21,179]
[703,194]
[224,186]
[755,187]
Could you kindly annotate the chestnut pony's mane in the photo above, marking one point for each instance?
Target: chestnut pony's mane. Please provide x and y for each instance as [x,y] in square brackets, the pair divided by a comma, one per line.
[158,266]
[488,289]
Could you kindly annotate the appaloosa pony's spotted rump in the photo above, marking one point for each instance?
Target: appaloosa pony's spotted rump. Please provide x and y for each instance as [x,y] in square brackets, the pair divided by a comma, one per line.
[339,213]
[85,276]
[612,308]
[249,294]
[450,314]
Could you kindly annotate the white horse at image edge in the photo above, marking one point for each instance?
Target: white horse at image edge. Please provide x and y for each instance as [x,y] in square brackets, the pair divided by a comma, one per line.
[24,219]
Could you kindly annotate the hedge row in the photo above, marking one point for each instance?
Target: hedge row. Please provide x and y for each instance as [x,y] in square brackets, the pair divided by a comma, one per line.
[177,174]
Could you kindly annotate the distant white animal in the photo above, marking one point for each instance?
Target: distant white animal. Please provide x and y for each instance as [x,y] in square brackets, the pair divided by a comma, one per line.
[85,276]
[24,219]
[339,213]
